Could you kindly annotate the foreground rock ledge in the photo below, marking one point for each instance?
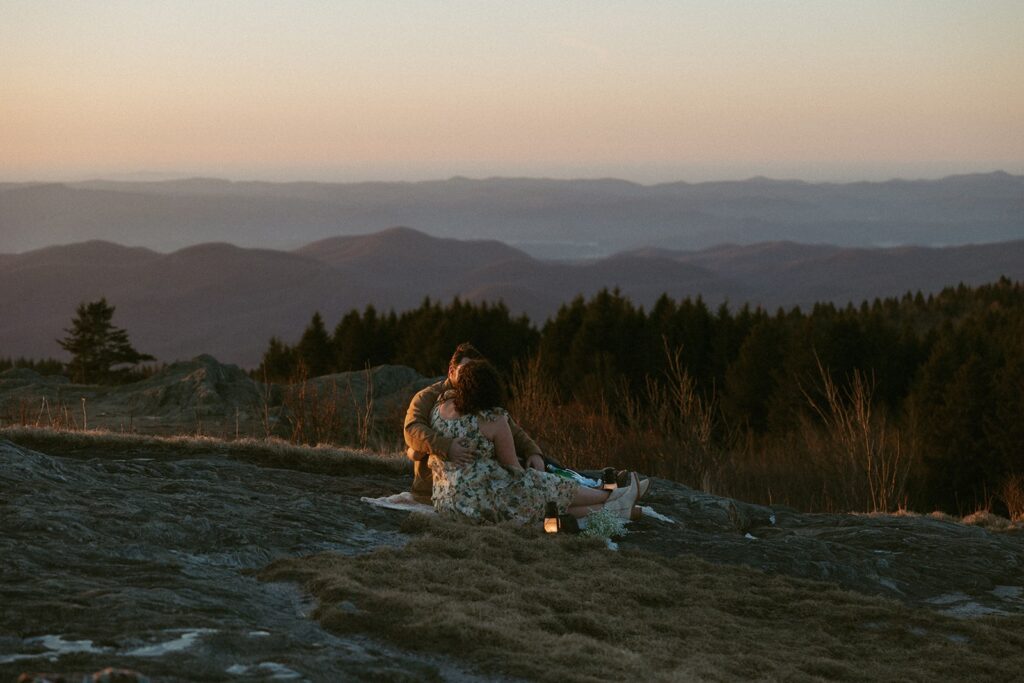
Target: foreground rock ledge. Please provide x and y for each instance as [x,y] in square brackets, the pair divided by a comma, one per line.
[187,530]
[924,560]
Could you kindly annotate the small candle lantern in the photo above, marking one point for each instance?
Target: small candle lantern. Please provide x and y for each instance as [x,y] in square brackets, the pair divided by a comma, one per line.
[551,521]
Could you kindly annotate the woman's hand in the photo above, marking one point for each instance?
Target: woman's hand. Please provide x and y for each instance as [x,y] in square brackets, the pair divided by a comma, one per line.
[536,462]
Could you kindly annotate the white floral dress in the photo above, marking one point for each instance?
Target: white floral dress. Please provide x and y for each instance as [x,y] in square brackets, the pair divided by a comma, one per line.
[483,490]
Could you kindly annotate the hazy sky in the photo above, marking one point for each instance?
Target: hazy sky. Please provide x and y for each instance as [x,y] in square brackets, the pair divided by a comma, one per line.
[416,89]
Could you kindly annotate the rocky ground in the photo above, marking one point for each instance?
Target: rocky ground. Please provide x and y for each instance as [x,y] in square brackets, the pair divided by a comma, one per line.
[121,550]
[145,558]
[143,554]
[204,396]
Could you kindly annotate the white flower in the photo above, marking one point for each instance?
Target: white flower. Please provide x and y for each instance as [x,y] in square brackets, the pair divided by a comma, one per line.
[604,524]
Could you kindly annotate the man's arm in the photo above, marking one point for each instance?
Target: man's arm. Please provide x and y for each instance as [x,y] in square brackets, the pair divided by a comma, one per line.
[525,446]
[419,435]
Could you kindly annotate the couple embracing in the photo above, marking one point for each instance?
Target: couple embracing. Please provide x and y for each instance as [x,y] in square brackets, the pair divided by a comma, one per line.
[472,460]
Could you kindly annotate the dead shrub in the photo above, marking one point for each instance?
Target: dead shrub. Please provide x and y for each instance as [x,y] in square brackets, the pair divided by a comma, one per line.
[327,410]
[864,460]
[987,520]
[43,413]
[1012,493]
[666,431]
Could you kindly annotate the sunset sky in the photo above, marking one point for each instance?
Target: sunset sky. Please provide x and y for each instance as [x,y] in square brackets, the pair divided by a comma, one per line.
[639,89]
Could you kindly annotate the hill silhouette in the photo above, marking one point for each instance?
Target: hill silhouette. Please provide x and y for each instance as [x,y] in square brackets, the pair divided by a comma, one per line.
[549,218]
[228,301]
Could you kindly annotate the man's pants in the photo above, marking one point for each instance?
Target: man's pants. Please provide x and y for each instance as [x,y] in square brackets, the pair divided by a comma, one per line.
[422,478]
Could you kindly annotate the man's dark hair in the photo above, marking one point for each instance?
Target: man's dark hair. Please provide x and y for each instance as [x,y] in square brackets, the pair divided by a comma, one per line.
[464,350]
[478,387]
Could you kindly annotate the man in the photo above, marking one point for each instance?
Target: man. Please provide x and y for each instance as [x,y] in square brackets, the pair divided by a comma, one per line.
[423,441]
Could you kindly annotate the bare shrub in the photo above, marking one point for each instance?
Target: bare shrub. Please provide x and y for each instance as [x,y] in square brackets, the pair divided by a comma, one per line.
[666,431]
[987,520]
[1012,493]
[677,425]
[42,413]
[776,470]
[330,410]
[364,418]
[577,436]
[311,414]
[849,458]
[864,461]
[267,420]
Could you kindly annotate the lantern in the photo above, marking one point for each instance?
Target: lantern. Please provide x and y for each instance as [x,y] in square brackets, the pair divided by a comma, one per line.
[551,521]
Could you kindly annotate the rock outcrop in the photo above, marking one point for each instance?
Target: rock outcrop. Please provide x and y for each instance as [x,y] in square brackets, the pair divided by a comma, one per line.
[202,395]
[927,560]
[164,542]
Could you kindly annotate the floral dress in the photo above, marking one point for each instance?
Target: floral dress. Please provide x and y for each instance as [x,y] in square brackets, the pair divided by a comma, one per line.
[483,490]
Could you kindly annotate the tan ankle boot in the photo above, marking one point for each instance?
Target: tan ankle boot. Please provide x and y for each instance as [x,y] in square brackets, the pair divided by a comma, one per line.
[621,500]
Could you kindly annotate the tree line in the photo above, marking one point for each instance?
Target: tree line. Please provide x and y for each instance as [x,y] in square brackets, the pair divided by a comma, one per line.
[947,369]
[422,339]
[938,381]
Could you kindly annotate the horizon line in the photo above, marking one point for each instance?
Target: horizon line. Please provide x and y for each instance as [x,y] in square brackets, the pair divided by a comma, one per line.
[137,178]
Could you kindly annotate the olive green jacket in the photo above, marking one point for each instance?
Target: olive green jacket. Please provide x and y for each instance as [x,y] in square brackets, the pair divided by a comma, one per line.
[421,437]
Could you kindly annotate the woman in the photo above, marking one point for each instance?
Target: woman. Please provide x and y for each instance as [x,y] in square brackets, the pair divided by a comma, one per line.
[494,486]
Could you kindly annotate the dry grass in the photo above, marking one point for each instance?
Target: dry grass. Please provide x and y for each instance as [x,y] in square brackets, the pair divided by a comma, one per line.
[991,522]
[857,447]
[1012,494]
[327,410]
[263,452]
[515,602]
[44,412]
[666,432]
[841,455]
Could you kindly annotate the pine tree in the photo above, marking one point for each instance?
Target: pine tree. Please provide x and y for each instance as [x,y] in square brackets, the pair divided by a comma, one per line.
[97,346]
[279,361]
[314,348]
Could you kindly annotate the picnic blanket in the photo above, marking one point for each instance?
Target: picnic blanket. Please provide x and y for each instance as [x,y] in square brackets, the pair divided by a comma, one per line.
[405,501]
[400,501]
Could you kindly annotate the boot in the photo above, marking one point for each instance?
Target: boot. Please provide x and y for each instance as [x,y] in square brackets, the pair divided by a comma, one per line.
[621,500]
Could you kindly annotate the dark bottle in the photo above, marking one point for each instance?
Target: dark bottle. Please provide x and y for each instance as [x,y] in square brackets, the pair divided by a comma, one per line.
[609,479]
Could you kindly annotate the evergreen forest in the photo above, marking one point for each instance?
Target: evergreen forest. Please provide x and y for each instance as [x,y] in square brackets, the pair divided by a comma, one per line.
[911,402]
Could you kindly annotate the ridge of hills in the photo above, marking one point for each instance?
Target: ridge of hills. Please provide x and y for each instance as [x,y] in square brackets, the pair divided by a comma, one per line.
[549,218]
[228,301]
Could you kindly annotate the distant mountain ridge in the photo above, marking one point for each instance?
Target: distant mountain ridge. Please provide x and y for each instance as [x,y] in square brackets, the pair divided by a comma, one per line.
[228,301]
[549,218]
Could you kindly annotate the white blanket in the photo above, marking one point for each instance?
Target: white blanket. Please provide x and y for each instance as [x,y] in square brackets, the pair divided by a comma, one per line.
[405,501]
[400,501]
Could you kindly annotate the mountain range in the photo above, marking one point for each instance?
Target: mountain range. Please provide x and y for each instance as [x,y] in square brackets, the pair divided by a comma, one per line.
[546,218]
[228,300]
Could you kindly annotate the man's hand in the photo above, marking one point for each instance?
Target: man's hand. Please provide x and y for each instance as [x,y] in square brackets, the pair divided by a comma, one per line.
[536,462]
[461,452]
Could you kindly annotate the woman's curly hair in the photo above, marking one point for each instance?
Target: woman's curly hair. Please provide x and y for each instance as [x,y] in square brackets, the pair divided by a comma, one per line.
[477,388]
[465,350]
